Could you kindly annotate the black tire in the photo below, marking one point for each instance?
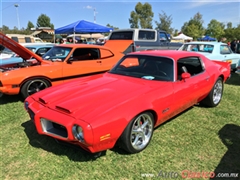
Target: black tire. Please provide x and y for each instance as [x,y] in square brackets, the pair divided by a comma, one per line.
[32,86]
[215,95]
[134,142]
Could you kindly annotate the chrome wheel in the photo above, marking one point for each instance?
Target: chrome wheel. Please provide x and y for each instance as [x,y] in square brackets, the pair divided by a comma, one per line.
[141,131]
[217,92]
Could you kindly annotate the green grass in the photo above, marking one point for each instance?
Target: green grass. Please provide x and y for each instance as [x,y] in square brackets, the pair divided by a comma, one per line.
[200,139]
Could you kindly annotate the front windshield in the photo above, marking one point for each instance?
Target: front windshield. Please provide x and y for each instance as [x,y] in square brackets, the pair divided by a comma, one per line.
[5,50]
[33,49]
[145,67]
[57,53]
[208,48]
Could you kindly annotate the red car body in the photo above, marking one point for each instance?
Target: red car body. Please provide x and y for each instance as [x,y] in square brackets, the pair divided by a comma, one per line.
[106,106]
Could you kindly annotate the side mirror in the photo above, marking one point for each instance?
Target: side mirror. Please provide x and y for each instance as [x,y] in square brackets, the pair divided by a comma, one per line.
[69,61]
[185,75]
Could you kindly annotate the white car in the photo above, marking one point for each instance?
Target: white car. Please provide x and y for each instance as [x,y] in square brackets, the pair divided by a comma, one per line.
[214,51]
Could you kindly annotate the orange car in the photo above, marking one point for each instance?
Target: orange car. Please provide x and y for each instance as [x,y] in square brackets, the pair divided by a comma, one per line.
[62,63]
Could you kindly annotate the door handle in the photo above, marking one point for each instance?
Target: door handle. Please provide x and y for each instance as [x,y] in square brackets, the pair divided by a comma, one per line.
[99,61]
[207,78]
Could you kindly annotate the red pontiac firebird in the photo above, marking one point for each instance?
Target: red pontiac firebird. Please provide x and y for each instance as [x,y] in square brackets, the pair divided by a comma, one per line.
[143,90]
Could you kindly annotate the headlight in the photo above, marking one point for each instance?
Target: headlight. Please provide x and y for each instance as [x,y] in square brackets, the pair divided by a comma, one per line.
[26,104]
[78,133]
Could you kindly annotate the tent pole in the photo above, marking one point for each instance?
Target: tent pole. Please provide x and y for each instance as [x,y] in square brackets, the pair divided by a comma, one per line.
[74,37]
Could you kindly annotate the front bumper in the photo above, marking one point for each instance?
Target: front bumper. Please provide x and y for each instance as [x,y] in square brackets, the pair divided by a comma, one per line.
[9,90]
[58,125]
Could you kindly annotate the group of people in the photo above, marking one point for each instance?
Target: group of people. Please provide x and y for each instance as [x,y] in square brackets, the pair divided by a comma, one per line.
[69,40]
[61,41]
[235,45]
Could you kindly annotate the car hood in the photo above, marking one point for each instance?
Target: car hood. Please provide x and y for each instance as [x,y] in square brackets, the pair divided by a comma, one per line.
[87,98]
[17,48]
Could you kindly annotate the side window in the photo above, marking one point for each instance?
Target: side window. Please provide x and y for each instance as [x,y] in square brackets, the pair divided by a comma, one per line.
[85,54]
[42,51]
[127,35]
[224,49]
[192,65]
[146,35]
[163,37]
[105,53]
[28,39]
[15,39]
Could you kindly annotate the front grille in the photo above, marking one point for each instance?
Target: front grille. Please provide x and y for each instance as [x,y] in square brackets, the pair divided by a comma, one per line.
[53,128]
[31,114]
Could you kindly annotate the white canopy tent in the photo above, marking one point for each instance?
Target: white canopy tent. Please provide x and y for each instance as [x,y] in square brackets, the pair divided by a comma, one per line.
[182,37]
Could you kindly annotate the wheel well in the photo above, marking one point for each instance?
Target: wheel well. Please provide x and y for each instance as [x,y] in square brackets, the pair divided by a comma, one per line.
[155,116]
[36,77]
[221,76]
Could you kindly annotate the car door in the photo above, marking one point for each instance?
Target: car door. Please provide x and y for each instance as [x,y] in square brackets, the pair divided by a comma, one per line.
[82,62]
[189,91]
[229,56]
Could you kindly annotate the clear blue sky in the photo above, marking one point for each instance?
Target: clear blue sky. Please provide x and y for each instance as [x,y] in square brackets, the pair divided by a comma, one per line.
[116,13]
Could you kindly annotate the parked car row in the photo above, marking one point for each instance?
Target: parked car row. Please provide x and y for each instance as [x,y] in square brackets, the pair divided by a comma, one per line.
[122,98]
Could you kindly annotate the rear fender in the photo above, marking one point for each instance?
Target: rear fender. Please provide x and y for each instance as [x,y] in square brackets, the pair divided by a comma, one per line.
[225,69]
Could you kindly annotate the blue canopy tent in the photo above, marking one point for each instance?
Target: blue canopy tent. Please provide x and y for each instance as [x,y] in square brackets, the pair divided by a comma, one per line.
[208,38]
[82,26]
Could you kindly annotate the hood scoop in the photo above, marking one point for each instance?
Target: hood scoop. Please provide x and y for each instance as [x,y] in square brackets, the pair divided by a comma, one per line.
[43,101]
[63,109]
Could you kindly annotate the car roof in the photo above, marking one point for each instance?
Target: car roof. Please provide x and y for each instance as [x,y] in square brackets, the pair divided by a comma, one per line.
[82,46]
[206,42]
[173,54]
[38,46]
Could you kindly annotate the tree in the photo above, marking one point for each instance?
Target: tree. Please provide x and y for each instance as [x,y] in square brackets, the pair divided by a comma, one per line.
[30,25]
[215,29]
[134,20]
[192,31]
[175,33]
[5,29]
[108,25]
[44,21]
[165,23]
[142,15]
[194,27]
[229,25]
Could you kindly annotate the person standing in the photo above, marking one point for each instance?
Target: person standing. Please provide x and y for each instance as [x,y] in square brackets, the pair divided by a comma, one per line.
[69,40]
[233,45]
[238,47]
